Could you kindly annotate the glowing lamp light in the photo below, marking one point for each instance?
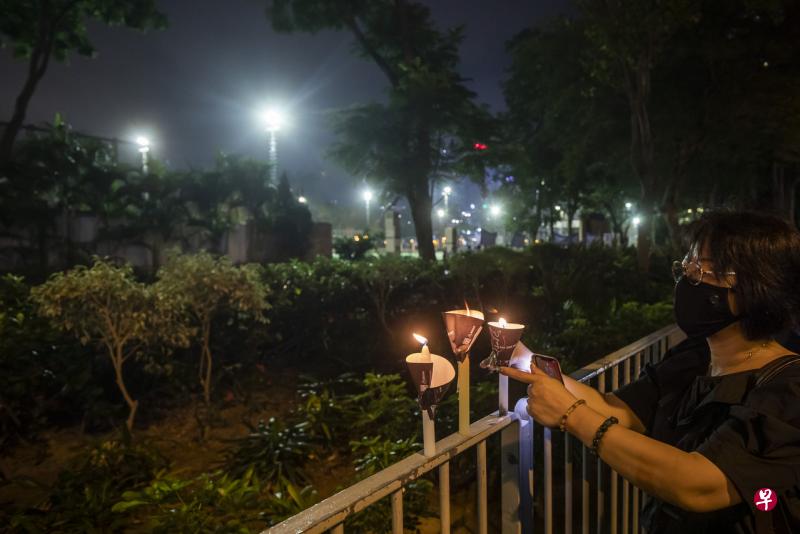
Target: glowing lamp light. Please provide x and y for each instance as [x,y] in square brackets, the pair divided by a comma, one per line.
[273,119]
[302,200]
[144,144]
[367,195]
[480,146]
[440,213]
[637,221]
[495,210]
[628,205]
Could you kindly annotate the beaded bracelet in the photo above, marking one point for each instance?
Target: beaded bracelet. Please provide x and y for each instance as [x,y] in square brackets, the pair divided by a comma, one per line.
[563,425]
[601,431]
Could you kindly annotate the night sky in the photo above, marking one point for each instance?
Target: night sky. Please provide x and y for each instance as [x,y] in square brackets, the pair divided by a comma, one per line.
[195,87]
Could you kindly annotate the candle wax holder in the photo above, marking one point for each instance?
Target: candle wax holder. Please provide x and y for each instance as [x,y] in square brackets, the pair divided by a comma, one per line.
[503,338]
[463,328]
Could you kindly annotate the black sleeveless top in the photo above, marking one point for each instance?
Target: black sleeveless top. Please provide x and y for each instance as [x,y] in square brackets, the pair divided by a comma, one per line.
[751,434]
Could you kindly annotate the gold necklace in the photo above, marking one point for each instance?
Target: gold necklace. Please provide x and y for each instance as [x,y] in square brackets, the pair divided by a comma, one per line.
[750,352]
[748,357]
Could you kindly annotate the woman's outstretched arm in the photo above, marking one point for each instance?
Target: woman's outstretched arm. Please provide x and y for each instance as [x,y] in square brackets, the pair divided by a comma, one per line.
[607,404]
[686,479]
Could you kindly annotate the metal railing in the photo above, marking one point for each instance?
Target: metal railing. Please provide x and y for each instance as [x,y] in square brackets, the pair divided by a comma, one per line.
[598,491]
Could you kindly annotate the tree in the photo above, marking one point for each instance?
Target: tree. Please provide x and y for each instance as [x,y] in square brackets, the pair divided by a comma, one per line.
[562,139]
[104,304]
[400,142]
[628,39]
[39,30]
[58,176]
[203,288]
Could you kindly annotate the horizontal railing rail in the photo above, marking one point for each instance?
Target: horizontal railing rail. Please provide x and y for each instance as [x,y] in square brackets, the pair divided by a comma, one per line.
[518,481]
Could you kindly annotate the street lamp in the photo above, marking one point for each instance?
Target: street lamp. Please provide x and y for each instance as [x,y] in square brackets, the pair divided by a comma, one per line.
[440,213]
[628,205]
[367,196]
[144,150]
[637,221]
[447,190]
[302,200]
[273,120]
[494,210]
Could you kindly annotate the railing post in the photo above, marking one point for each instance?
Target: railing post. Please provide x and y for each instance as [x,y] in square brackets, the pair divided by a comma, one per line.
[614,476]
[601,387]
[525,465]
[444,497]
[548,480]
[397,512]
[510,479]
[483,504]
[567,485]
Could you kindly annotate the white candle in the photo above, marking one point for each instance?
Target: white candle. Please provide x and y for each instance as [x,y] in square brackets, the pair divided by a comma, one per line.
[463,396]
[458,338]
[428,435]
[502,386]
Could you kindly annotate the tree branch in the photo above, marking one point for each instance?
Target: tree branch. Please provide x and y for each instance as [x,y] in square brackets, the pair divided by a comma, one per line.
[379,60]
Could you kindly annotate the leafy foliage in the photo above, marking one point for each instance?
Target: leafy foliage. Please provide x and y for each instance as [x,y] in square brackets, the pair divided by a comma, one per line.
[201,287]
[103,304]
[378,453]
[273,450]
[82,498]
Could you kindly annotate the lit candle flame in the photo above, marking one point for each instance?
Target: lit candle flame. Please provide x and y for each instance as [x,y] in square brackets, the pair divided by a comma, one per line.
[422,340]
[502,322]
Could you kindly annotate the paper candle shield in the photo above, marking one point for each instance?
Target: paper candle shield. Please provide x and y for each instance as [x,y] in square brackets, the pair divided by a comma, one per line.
[521,357]
[463,328]
[503,341]
[431,378]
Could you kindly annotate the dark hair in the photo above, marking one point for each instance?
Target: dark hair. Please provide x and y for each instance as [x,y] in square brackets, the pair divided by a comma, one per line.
[764,251]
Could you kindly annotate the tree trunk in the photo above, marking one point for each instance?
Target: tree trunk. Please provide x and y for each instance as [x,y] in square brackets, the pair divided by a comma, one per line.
[642,152]
[205,363]
[37,65]
[420,202]
[117,360]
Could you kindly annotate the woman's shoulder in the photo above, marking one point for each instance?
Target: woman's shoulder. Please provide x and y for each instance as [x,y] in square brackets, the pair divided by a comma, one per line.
[776,390]
[687,359]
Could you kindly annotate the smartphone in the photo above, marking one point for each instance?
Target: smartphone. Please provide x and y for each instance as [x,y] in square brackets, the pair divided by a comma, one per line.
[549,365]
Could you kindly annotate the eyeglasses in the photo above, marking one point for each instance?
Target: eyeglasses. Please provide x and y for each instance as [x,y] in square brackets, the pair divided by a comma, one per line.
[692,270]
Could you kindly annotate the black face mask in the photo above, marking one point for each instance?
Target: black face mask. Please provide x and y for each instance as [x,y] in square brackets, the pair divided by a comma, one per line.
[701,310]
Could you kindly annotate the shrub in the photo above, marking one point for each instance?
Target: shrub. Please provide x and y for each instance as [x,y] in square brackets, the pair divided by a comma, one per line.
[104,304]
[82,497]
[201,287]
[273,450]
[213,502]
[46,377]
[378,453]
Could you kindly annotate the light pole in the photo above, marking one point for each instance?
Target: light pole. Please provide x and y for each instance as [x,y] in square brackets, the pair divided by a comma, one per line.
[447,191]
[273,121]
[144,150]
[367,195]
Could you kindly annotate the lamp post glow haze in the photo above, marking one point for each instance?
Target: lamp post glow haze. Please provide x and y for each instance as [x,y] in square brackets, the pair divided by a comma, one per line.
[367,196]
[144,150]
[273,120]
[447,191]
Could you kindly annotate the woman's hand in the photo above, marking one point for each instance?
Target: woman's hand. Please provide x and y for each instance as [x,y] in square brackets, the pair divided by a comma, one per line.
[548,399]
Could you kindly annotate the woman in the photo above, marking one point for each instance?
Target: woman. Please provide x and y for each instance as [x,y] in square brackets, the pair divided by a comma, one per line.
[717,422]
